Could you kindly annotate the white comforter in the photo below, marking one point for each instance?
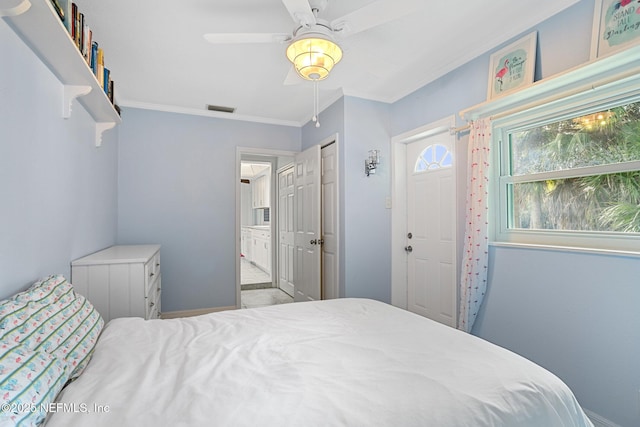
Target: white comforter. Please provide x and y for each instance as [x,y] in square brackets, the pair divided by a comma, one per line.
[347,362]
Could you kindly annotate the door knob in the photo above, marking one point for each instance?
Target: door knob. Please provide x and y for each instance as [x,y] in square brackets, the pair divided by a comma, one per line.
[313,242]
[409,249]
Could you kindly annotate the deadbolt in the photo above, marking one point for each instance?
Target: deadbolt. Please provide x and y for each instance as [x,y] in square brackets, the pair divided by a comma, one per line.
[409,235]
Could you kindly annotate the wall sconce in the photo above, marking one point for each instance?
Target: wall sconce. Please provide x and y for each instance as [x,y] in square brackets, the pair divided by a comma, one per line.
[371,162]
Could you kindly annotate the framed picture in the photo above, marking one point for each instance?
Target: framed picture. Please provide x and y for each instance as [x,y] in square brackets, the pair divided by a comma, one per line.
[616,25]
[512,67]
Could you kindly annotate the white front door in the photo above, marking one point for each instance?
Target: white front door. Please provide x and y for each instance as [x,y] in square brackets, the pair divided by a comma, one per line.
[285,230]
[307,225]
[330,221]
[431,228]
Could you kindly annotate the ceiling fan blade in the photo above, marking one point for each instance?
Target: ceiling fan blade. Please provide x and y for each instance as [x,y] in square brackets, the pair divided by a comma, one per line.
[230,38]
[300,11]
[374,14]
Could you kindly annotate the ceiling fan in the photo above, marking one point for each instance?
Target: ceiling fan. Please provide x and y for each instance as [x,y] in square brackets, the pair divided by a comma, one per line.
[312,47]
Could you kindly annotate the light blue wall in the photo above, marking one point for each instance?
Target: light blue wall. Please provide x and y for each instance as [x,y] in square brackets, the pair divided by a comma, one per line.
[367,220]
[365,223]
[563,43]
[176,187]
[574,313]
[58,190]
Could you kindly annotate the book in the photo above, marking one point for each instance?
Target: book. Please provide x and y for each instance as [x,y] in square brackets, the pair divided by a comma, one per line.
[86,51]
[111,89]
[72,20]
[105,81]
[80,32]
[58,8]
[93,60]
[100,67]
[66,8]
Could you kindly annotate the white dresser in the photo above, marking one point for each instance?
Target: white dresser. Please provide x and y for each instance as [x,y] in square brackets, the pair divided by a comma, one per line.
[121,281]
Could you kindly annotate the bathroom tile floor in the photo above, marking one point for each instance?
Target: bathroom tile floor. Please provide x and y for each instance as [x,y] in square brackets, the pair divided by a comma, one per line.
[250,274]
[264,297]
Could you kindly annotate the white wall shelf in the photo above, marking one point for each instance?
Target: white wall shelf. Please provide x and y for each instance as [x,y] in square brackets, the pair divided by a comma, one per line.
[38,25]
[621,69]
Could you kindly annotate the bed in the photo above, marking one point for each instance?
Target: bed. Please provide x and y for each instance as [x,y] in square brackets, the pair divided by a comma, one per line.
[344,362]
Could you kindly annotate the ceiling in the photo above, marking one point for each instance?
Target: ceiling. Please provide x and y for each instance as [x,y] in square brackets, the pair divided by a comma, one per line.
[159,58]
[249,170]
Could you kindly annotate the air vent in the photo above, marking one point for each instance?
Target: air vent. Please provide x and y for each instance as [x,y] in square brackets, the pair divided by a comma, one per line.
[220,109]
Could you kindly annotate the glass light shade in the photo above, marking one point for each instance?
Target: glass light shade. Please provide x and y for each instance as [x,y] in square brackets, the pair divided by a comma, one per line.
[314,57]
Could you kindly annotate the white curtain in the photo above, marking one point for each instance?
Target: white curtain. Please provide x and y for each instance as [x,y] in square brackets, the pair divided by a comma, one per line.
[475,256]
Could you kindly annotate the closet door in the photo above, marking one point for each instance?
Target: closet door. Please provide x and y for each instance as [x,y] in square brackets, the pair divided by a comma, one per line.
[307,225]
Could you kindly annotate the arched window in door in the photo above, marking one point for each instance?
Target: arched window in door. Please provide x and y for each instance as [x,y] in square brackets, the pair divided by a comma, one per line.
[433,157]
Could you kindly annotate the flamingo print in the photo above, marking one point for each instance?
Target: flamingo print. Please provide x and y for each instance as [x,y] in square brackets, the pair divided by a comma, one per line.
[622,3]
[500,74]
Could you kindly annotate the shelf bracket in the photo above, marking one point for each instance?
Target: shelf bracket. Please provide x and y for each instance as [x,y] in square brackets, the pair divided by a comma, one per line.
[101,127]
[71,92]
[18,9]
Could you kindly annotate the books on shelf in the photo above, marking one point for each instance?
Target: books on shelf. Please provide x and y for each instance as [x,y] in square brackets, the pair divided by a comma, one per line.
[81,34]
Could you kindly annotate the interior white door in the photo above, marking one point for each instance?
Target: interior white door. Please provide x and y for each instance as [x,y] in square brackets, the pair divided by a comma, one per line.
[285,230]
[307,225]
[330,221]
[431,228]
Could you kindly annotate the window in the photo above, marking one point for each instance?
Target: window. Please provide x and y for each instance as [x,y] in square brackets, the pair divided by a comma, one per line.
[571,178]
[433,157]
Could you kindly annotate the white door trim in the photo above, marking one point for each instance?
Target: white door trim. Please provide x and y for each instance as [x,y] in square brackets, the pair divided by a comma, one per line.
[259,152]
[399,203]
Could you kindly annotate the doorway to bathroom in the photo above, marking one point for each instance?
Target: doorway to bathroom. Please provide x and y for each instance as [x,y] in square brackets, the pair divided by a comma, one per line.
[258,228]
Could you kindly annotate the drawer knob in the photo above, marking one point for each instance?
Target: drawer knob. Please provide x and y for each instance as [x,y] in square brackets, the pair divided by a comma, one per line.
[150,274]
[151,304]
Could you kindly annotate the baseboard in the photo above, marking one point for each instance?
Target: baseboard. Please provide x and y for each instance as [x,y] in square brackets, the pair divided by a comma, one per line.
[190,313]
[599,421]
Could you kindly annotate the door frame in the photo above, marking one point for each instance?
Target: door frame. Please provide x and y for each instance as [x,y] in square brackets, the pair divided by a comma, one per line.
[271,154]
[399,287]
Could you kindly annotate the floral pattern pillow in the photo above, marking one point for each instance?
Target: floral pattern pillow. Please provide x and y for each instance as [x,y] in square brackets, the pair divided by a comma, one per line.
[51,317]
[29,382]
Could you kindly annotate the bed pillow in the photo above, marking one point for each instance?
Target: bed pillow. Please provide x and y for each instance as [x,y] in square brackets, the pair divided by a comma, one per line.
[47,290]
[77,336]
[51,317]
[29,382]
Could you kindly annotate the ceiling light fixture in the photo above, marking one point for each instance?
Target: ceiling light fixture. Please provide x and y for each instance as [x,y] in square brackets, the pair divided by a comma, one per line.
[313,54]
